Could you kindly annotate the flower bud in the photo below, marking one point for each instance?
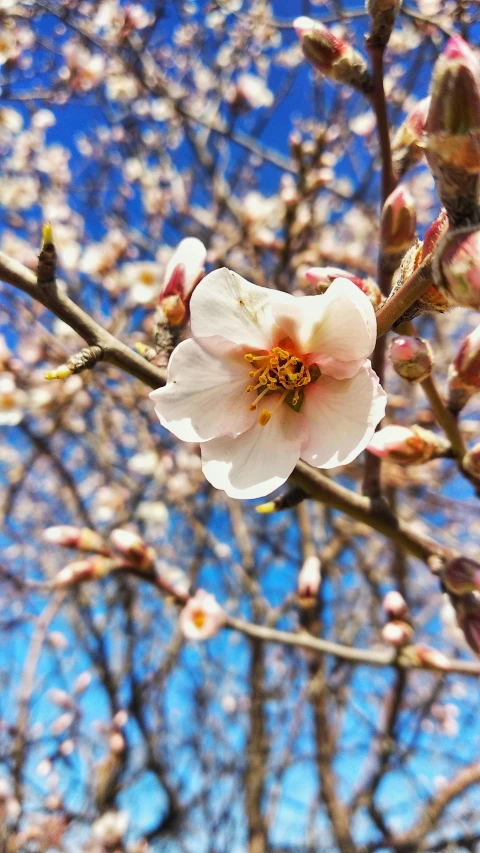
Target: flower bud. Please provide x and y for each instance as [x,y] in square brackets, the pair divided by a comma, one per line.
[407,446]
[471,462]
[332,56]
[398,222]
[412,358]
[201,617]
[467,609]
[80,538]
[406,148]
[394,605]
[90,569]
[397,633]
[382,18]
[460,265]
[467,361]
[324,276]
[131,547]
[184,270]
[461,575]
[424,657]
[455,98]
[309,578]
[452,139]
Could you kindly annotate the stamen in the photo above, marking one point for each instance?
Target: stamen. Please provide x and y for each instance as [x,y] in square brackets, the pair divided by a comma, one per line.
[264,417]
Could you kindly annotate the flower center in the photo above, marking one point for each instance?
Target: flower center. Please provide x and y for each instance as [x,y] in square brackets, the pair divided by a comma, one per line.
[279,371]
[198,618]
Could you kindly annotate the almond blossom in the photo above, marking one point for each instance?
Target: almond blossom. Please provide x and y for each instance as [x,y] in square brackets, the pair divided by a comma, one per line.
[201,617]
[269,378]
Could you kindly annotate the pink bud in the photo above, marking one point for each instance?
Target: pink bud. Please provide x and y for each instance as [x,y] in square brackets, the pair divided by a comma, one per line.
[185,268]
[131,547]
[466,363]
[63,722]
[412,358]
[433,233]
[309,578]
[461,575]
[425,656]
[80,538]
[455,97]
[398,221]
[407,446]
[201,617]
[90,569]
[394,605]
[406,147]
[397,632]
[332,56]
[460,263]
[60,698]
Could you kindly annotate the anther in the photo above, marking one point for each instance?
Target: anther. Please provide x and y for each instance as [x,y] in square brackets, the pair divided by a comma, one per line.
[264,417]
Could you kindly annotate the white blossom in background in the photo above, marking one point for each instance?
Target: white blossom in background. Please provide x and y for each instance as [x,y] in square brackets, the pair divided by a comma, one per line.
[201,617]
[110,828]
[269,378]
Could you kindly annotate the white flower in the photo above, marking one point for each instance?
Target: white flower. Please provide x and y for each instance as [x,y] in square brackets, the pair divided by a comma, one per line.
[143,279]
[201,617]
[269,378]
[110,827]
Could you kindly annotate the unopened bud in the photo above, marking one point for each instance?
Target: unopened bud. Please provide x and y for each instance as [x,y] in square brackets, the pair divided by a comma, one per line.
[466,363]
[434,232]
[322,277]
[398,222]
[80,538]
[131,547]
[471,462]
[461,575]
[411,358]
[397,633]
[382,18]
[467,610]
[424,657]
[455,99]
[407,446]
[460,265]
[332,56]
[309,578]
[406,147]
[394,605]
[90,569]
[185,268]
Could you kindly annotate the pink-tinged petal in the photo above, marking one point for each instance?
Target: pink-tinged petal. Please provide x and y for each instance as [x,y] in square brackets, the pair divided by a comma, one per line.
[205,392]
[258,461]
[190,255]
[342,417]
[227,304]
[339,326]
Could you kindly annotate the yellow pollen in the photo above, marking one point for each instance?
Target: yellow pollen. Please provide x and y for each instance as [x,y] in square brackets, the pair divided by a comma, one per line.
[264,417]
[198,618]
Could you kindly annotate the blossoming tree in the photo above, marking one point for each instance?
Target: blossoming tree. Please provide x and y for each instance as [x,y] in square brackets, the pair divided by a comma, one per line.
[240,358]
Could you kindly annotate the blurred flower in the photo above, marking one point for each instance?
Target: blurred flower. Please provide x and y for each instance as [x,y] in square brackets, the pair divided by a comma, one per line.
[397,632]
[143,281]
[111,827]
[405,445]
[202,617]
[309,578]
[394,605]
[307,354]
[249,92]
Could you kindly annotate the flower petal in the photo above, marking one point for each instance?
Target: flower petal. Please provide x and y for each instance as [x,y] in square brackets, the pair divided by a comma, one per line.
[258,461]
[205,393]
[227,304]
[339,326]
[342,416]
